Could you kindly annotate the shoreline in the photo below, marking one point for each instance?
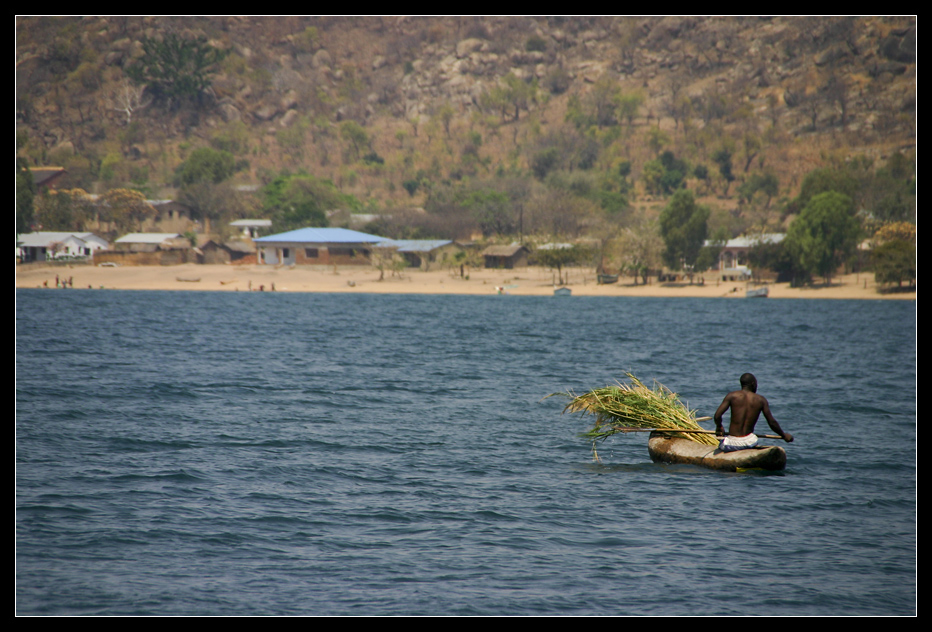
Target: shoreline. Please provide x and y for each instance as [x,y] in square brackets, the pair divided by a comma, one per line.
[525,281]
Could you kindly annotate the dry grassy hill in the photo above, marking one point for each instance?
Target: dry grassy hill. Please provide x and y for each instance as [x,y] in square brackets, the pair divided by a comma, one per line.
[448,102]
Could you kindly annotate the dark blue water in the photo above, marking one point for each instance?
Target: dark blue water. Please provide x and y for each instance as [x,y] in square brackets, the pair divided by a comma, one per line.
[187,453]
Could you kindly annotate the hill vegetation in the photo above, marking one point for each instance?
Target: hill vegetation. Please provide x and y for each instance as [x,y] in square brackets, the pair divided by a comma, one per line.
[498,128]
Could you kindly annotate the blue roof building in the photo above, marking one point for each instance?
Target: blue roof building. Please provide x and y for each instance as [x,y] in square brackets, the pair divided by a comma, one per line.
[316,246]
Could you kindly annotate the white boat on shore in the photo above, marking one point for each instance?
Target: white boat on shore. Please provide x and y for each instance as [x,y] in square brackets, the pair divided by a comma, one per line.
[757,292]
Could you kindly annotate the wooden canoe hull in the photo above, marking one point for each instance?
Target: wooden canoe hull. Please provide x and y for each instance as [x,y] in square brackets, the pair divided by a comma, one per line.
[670,450]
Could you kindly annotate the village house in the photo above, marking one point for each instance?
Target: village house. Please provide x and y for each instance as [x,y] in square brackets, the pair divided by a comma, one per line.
[170,216]
[46,177]
[733,258]
[42,246]
[149,249]
[251,227]
[316,246]
[507,257]
[233,251]
[422,253]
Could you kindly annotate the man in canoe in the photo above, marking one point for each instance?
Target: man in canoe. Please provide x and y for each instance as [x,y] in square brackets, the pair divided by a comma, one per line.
[746,406]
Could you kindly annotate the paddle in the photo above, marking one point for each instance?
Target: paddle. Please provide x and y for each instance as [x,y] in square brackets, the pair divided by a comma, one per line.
[629,429]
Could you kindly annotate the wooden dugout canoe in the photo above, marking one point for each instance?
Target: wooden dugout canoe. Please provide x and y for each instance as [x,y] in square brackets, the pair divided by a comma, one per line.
[664,449]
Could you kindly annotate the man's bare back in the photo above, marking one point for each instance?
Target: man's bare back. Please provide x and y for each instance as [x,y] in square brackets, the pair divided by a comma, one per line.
[746,406]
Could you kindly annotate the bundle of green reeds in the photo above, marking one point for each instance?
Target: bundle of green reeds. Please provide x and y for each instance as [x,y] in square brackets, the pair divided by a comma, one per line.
[624,407]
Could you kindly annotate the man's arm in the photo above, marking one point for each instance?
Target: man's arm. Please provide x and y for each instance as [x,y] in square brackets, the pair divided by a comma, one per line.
[719,428]
[773,422]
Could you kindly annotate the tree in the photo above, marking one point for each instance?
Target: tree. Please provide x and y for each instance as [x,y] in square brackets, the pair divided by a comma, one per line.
[824,235]
[446,114]
[64,210]
[894,255]
[511,93]
[127,98]
[126,209]
[709,254]
[206,165]
[176,68]
[356,135]
[211,202]
[824,180]
[492,210]
[298,201]
[894,262]
[896,231]
[602,99]
[640,249]
[765,183]
[556,256]
[202,178]
[627,106]
[519,93]
[722,157]
[684,227]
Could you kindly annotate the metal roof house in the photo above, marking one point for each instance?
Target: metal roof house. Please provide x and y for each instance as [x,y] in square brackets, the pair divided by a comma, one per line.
[316,246]
[40,246]
[733,258]
[251,227]
[421,253]
[150,249]
[150,242]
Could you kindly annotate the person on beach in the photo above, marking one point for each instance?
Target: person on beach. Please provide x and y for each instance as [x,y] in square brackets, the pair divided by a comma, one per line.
[746,406]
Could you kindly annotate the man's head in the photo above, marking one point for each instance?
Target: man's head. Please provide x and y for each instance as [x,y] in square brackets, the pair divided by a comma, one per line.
[749,382]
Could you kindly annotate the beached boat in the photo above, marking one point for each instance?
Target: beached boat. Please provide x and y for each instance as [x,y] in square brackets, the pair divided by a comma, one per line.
[665,449]
[562,291]
[758,292]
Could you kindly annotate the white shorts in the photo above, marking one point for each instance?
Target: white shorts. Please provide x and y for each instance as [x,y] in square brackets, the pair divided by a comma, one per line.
[730,444]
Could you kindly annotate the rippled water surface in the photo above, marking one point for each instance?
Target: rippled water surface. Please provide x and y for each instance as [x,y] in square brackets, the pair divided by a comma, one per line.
[187,453]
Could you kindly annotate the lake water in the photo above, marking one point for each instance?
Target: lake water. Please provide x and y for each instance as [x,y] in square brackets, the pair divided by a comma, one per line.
[197,453]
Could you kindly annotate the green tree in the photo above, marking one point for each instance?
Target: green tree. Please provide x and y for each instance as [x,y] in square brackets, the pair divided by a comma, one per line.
[126,209]
[299,201]
[722,157]
[628,105]
[175,67]
[204,189]
[544,161]
[492,210]
[652,174]
[765,183]
[709,254]
[206,165]
[558,256]
[824,180]
[356,135]
[824,235]
[510,94]
[446,114]
[894,262]
[684,227]
[64,210]
[775,257]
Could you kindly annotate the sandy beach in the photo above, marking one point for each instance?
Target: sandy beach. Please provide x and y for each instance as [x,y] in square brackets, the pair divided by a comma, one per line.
[528,281]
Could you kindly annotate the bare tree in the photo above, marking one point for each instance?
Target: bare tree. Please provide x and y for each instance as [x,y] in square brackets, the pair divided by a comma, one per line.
[128,98]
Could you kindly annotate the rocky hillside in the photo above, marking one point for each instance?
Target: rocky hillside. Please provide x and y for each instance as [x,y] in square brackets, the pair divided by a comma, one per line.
[440,101]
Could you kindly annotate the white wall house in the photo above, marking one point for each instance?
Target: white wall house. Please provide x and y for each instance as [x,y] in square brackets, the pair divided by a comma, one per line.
[43,246]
